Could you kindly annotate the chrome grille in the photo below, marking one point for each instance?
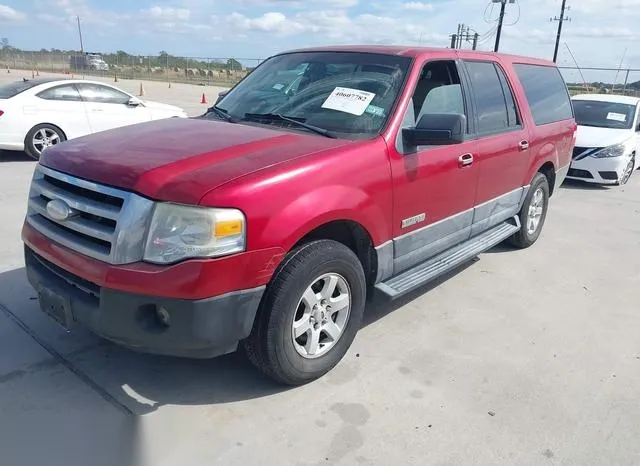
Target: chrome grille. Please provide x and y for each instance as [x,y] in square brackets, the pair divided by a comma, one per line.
[107,223]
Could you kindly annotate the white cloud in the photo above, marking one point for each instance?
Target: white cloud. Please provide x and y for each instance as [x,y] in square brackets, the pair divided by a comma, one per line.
[9,14]
[167,13]
[418,6]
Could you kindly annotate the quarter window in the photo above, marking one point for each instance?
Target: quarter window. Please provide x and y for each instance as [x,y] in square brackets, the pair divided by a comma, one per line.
[546,93]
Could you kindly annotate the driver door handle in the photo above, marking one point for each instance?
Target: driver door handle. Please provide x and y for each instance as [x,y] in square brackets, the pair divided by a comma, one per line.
[465,160]
[523,145]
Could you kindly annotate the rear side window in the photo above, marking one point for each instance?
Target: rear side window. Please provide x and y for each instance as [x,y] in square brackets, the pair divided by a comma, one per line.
[494,110]
[66,93]
[11,90]
[546,93]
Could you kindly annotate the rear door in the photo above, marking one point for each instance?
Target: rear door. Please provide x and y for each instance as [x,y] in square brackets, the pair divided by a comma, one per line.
[503,145]
[108,108]
[62,106]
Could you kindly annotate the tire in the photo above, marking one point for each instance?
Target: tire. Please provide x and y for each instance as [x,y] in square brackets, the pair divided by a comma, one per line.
[527,234]
[272,346]
[49,134]
[628,171]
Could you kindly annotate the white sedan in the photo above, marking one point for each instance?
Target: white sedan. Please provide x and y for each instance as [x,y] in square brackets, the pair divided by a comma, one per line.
[38,113]
[608,140]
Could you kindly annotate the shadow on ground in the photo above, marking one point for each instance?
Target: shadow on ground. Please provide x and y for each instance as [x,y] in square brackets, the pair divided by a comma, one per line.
[14,156]
[141,383]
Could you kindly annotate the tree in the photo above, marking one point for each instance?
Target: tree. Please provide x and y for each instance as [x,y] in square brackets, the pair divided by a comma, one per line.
[5,43]
[234,64]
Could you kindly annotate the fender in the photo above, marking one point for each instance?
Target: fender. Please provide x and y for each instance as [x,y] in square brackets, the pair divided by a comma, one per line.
[324,205]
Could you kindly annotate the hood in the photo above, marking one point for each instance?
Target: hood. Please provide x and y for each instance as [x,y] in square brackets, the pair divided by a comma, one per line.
[592,136]
[180,159]
[157,106]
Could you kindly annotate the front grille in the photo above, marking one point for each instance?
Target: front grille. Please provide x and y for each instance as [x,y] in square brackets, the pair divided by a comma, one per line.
[579,173]
[580,153]
[92,290]
[107,223]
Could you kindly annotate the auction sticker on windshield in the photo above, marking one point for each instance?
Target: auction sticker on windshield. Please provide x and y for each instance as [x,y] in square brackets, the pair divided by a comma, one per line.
[344,99]
[617,117]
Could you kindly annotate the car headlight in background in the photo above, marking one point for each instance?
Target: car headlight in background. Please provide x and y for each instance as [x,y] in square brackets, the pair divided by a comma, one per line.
[617,150]
[180,232]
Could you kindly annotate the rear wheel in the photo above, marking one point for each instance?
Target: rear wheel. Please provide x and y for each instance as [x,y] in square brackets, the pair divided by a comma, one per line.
[533,213]
[310,314]
[42,136]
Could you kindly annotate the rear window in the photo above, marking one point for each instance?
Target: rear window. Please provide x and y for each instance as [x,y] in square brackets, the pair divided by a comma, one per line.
[13,89]
[546,93]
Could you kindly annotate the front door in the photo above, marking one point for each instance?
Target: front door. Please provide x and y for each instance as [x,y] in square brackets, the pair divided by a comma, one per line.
[435,186]
[108,108]
[503,146]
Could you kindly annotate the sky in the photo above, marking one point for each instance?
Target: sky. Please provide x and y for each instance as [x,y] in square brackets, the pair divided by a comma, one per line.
[601,33]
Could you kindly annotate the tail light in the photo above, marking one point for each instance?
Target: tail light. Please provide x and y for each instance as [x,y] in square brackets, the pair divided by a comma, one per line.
[1,113]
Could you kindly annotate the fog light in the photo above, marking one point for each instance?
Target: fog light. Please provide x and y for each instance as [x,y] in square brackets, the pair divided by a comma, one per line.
[163,315]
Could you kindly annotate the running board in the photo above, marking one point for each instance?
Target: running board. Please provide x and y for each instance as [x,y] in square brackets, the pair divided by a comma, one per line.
[445,262]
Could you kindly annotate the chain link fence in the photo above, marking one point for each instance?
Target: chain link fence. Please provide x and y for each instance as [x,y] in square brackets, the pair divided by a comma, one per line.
[228,71]
[625,81]
[194,70]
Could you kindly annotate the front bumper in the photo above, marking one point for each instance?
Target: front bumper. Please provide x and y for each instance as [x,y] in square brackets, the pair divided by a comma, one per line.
[200,328]
[600,171]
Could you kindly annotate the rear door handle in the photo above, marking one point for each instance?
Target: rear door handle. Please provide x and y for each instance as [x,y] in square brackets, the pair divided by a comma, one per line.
[523,145]
[465,160]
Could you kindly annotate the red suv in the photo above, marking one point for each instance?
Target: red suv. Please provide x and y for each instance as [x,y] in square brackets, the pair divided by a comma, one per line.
[323,175]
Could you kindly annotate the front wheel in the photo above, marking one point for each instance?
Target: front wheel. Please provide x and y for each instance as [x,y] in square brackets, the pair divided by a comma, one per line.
[40,137]
[628,171]
[533,213]
[310,314]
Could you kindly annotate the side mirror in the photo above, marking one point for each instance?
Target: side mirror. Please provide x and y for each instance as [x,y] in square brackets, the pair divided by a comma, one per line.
[221,95]
[134,102]
[437,129]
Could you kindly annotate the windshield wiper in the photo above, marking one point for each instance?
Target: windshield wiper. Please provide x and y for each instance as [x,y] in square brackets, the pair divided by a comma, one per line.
[222,114]
[296,121]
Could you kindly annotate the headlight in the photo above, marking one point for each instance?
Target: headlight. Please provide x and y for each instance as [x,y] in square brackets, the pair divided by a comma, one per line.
[617,150]
[180,232]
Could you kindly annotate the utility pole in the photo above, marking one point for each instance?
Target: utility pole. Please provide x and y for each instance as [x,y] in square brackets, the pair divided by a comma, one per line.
[560,20]
[464,35]
[503,6]
[80,34]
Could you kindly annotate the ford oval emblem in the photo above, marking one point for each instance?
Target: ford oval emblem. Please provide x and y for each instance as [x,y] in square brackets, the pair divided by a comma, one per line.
[59,210]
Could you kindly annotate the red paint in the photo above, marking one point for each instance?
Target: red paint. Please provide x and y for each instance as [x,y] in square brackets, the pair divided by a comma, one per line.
[288,183]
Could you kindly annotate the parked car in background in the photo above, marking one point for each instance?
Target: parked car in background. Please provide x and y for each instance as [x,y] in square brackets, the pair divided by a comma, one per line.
[88,61]
[266,221]
[608,140]
[39,113]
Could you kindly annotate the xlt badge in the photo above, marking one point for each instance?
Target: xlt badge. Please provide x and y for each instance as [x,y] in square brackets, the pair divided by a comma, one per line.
[407,222]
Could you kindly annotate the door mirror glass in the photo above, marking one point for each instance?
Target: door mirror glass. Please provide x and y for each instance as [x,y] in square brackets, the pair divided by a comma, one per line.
[221,95]
[436,129]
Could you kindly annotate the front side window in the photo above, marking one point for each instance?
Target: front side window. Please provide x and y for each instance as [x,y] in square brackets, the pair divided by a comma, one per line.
[102,94]
[491,106]
[604,114]
[347,93]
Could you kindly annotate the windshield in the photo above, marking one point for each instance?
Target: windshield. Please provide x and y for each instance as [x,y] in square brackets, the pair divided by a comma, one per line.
[11,90]
[604,114]
[346,93]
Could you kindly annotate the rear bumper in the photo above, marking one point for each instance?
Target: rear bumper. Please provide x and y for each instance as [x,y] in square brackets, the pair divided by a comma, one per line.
[200,328]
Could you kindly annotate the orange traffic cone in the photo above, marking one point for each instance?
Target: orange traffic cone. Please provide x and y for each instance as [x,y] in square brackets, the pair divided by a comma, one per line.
[141,90]
[204,99]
